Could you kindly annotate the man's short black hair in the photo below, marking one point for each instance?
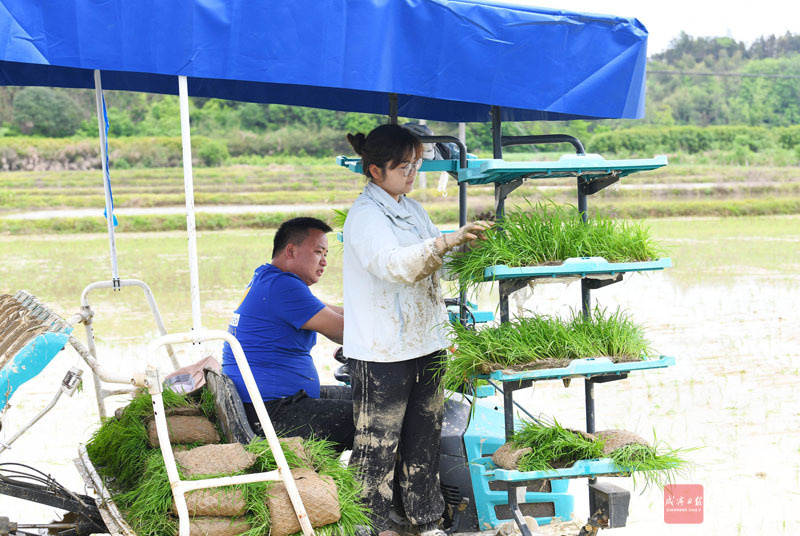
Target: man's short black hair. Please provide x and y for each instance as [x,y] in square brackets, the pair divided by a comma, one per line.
[295,231]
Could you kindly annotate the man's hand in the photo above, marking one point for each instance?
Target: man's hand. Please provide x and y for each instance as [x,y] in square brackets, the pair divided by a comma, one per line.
[328,322]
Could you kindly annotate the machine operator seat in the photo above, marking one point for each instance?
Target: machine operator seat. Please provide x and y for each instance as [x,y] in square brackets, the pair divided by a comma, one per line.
[229,408]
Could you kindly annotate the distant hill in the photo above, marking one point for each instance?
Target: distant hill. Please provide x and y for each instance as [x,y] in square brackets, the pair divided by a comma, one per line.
[719,81]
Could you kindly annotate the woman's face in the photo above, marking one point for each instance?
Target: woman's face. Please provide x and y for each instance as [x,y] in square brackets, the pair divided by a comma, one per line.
[397,178]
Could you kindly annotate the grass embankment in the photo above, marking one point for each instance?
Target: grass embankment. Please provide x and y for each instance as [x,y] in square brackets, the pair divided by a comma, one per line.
[677,190]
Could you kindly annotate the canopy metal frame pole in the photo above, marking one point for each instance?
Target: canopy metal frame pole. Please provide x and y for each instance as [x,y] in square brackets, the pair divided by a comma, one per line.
[462,187]
[98,97]
[188,184]
[393,108]
[462,212]
[500,193]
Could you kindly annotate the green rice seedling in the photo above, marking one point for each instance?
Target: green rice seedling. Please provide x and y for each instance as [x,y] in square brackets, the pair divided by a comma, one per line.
[209,408]
[340,215]
[119,448]
[208,405]
[138,479]
[542,342]
[547,233]
[554,446]
[326,462]
[658,465]
[147,505]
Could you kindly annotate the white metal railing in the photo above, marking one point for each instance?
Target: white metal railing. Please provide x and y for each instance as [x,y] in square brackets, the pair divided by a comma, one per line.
[86,317]
[154,383]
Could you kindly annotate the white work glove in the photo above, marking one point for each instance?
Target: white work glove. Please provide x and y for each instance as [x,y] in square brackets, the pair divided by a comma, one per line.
[431,253]
[463,235]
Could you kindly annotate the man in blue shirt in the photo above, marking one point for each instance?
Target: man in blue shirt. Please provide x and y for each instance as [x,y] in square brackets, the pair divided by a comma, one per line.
[277,324]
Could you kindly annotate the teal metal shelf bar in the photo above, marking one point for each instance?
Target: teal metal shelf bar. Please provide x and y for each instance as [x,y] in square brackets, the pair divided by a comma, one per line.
[585,368]
[580,469]
[576,266]
[354,164]
[589,167]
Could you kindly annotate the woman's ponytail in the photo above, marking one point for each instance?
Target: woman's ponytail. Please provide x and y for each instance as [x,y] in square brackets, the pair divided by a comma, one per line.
[357,141]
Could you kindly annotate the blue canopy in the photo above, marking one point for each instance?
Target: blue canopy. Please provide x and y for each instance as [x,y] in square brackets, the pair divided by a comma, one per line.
[446,60]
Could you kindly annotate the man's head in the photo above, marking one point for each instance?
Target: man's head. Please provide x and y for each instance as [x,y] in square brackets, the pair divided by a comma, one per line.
[300,247]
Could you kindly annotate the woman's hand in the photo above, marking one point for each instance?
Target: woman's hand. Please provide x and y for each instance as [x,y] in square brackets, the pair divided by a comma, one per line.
[463,235]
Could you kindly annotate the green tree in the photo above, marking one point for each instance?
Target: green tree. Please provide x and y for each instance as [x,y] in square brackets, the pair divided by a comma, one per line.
[47,112]
[770,101]
[361,122]
[162,119]
[253,116]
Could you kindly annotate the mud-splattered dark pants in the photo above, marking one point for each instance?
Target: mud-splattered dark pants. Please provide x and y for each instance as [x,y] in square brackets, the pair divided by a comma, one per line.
[328,417]
[398,409]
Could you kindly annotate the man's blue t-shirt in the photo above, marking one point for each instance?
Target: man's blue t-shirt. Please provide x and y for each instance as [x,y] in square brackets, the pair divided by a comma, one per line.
[268,326]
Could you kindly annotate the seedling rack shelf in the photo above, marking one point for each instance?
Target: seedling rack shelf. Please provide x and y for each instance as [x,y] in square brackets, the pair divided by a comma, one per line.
[592,174]
[588,167]
[584,368]
[579,469]
[451,166]
[574,266]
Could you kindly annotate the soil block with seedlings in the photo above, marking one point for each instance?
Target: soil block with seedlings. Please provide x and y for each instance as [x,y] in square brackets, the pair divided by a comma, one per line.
[134,472]
[541,446]
[547,234]
[542,342]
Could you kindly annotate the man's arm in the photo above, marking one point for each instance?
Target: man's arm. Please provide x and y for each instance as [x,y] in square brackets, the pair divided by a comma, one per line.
[328,322]
[336,308]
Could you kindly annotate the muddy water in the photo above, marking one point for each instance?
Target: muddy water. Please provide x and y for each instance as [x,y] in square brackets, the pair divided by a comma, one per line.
[734,331]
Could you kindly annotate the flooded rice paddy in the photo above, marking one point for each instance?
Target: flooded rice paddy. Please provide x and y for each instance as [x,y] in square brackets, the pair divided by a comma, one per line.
[728,311]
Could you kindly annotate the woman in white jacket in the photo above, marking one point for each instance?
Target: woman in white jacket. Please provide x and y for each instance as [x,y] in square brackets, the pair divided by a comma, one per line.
[394,331]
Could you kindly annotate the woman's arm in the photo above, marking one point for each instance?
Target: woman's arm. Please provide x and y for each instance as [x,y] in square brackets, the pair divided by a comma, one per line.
[372,240]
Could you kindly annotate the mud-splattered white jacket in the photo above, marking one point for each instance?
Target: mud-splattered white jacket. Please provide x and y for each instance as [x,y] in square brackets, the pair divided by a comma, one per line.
[393,311]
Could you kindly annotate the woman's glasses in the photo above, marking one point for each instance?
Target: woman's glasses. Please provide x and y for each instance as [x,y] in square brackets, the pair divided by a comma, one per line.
[411,167]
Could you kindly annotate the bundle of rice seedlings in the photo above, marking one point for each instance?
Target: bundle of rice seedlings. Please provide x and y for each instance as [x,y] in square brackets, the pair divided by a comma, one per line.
[137,476]
[147,507]
[548,233]
[119,448]
[553,447]
[339,217]
[542,342]
[325,461]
